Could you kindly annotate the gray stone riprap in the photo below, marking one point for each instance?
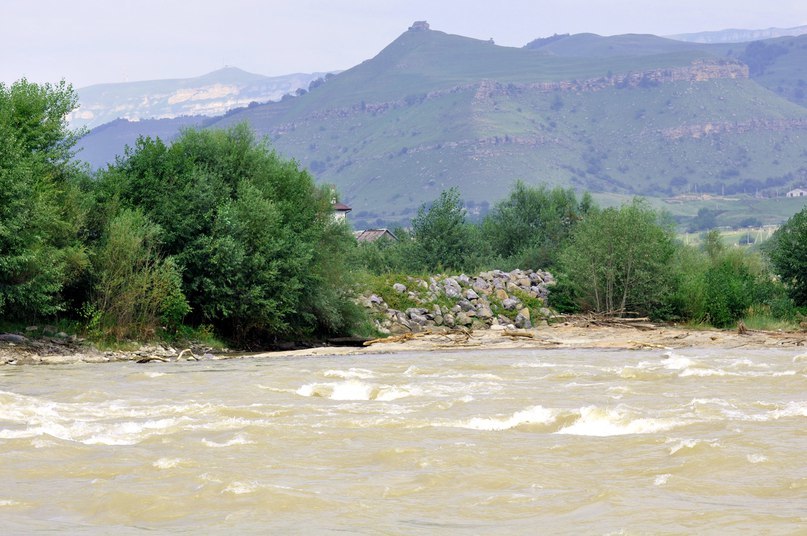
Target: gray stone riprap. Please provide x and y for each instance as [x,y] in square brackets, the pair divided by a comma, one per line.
[489,300]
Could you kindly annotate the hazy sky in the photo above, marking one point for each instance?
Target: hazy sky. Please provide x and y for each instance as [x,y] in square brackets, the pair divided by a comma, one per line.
[94,41]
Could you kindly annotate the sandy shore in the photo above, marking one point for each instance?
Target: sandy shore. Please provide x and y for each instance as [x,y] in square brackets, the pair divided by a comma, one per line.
[572,334]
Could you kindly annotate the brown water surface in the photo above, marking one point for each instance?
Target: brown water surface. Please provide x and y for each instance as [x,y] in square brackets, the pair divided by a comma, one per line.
[505,442]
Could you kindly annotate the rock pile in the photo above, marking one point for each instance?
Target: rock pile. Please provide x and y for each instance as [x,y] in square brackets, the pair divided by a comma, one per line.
[490,299]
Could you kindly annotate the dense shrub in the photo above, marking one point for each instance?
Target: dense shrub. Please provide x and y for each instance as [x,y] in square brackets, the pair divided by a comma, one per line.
[41,204]
[443,237]
[259,251]
[728,291]
[618,261]
[135,291]
[787,250]
[531,225]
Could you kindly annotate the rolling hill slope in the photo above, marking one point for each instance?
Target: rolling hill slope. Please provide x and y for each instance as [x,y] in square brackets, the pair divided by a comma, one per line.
[625,115]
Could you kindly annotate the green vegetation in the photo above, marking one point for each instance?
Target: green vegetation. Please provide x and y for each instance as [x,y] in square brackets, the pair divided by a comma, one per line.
[531,225]
[260,255]
[623,260]
[41,203]
[215,235]
[212,230]
[443,237]
[788,253]
[618,261]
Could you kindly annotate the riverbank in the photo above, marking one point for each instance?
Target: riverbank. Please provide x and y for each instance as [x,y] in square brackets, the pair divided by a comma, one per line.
[581,333]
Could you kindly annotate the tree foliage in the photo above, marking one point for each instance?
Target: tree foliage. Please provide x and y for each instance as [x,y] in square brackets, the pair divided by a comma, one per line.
[787,251]
[135,291]
[532,224]
[618,261]
[41,205]
[444,239]
[259,251]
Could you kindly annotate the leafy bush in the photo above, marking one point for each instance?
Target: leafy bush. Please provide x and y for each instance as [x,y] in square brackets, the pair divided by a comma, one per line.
[618,261]
[443,238]
[135,291]
[531,225]
[787,250]
[41,205]
[729,287]
[260,252]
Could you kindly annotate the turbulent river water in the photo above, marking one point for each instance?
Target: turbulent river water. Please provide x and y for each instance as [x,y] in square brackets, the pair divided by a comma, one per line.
[479,442]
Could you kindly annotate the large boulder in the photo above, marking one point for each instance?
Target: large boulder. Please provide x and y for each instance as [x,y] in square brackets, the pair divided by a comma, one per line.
[522,321]
[451,288]
[481,286]
[463,319]
[483,311]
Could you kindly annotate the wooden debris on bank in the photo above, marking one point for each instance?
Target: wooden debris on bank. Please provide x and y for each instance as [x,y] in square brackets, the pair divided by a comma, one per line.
[602,320]
[150,358]
[644,345]
[518,334]
[457,336]
[395,338]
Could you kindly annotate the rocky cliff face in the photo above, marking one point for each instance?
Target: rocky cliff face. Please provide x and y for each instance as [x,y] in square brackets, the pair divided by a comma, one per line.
[209,95]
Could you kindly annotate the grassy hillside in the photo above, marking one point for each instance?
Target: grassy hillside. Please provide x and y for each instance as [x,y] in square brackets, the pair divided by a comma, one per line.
[778,64]
[786,73]
[625,115]
[491,128]
[588,45]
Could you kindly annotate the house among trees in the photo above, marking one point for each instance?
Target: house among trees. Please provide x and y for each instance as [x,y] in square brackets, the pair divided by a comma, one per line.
[419,26]
[340,211]
[798,192]
[371,235]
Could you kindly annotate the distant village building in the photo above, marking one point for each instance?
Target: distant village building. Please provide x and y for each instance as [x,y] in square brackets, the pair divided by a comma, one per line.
[798,192]
[340,211]
[371,235]
[419,26]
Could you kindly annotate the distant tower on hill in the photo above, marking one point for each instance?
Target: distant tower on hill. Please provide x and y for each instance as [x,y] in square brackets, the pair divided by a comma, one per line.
[419,26]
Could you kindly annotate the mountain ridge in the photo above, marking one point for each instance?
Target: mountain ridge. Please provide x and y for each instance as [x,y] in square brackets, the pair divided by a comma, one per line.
[733,35]
[209,94]
[432,111]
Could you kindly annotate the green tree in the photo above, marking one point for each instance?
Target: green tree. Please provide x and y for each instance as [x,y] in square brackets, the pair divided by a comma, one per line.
[135,290]
[259,250]
[442,236]
[618,261]
[705,220]
[41,204]
[728,290]
[787,250]
[531,225]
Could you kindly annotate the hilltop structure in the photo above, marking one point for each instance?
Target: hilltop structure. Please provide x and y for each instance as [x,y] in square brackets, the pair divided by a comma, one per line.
[419,26]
